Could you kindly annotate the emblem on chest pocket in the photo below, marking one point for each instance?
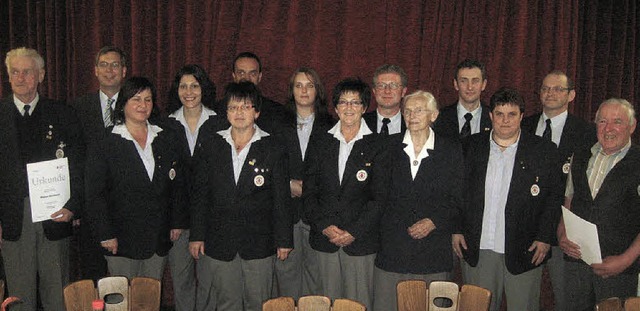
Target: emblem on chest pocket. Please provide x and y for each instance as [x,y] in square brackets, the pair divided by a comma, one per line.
[362,175]
[258,180]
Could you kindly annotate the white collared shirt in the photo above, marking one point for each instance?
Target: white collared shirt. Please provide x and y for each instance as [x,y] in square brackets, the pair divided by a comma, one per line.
[475,121]
[192,137]
[557,124]
[238,159]
[20,105]
[146,153]
[304,126]
[346,147]
[394,126]
[414,162]
[497,184]
[103,103]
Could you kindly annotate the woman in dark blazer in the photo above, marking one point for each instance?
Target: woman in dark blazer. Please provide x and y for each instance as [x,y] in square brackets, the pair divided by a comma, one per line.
[241,218]
[192,97]
[341,197]
[134,192]
[423,175]
[307,118]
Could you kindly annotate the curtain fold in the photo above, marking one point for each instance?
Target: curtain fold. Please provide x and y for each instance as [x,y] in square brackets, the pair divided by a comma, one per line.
[594,41]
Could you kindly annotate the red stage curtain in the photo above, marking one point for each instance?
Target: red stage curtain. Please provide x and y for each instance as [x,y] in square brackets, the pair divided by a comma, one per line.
[595,41]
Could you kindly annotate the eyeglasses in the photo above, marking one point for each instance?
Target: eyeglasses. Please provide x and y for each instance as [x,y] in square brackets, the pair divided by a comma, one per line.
[555,89]
[392,86]
[239,108]
[114,65]
[416,112]
[345,103]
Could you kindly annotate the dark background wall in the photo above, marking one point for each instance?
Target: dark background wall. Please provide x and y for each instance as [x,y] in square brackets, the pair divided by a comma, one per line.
[596,41]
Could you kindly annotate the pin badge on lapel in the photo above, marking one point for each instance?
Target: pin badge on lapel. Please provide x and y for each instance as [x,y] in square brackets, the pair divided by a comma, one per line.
[535,189]
[258,180]
[172,174]
[361,175]
[566,167]
[50,133]
[252,162]
[60,151]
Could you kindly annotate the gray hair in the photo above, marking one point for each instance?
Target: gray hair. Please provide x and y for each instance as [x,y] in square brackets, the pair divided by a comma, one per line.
[626,105]
[25,52]
[428,98]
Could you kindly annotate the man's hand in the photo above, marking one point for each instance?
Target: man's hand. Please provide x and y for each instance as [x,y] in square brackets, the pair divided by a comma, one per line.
[611,266]
[110,245]
[332,232]
[458,243]
[541,249]
[196,248]
[296,188]
[283,253]
[421,229]
[344,239]
[566,245]
[63,215]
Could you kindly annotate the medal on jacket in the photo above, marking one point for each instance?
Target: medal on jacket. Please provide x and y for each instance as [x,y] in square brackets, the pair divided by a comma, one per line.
[172,173]
[535,189]
[60,151]
[258,180]
[361,175]
[566,167]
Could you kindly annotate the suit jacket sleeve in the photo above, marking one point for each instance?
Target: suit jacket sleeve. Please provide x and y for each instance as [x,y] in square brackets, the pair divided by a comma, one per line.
[282,213]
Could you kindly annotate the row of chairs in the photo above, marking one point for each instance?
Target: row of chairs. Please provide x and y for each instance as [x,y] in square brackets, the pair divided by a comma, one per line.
[312,303]
[615,304]
[143,294]
[414,295]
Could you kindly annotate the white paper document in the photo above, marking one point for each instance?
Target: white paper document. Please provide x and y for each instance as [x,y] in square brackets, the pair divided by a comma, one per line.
[49,187]
[583,233]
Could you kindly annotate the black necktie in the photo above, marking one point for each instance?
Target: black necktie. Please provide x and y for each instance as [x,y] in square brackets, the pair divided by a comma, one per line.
[384,130]
[26,111]
[466,127]
[547,130]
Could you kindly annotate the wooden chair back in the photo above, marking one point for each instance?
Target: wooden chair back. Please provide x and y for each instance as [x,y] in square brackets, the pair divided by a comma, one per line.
[79,295]
[609,304]
[412,295]
[632,304]
[443,291]
[112,288]
[279,304]
[342,304]
[144,294]
[474,298]
[314,303]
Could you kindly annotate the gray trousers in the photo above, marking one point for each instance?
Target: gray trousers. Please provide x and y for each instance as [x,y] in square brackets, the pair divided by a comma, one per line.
[238,284]
[384,288]
[123,266]
[585,288]
[555,265]
[522,290]
[345,276]
[183,274]
[33,256]
[298,275]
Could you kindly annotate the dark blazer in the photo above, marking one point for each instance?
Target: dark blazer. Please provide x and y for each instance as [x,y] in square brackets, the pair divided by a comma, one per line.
[59,120]
[123,203]
[435,193]
[354,205]
[616,208]
[90,114]
[250,219]
[289,137]
[576,134]
[447,122]
[371,118]
[529,217]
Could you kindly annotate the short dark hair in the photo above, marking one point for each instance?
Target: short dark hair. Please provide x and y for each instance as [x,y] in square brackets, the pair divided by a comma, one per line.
[109,49]
[243,90]
[570,84]
[247,55]
[506,96]
[130,88]
[320,103]
[471,63]
[355,85]
[206,85]
[388,68]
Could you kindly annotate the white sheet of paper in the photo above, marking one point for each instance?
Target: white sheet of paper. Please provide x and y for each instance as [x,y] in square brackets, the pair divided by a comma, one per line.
[583,233]
[49,187]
